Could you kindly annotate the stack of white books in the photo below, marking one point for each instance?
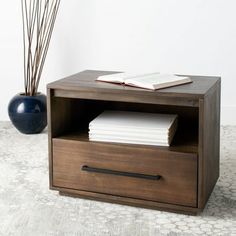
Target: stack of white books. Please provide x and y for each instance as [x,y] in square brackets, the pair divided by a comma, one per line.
[133,127]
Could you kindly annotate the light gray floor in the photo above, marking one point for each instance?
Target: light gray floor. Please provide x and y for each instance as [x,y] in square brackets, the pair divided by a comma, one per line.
[29,208]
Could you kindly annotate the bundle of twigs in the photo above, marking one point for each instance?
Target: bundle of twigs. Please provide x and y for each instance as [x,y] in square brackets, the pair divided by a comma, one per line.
[38,22]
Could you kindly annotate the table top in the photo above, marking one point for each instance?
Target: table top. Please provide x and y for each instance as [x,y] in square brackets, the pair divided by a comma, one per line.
[86,81]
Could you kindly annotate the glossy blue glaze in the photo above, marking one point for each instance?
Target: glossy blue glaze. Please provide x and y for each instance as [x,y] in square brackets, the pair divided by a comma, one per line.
[28,113]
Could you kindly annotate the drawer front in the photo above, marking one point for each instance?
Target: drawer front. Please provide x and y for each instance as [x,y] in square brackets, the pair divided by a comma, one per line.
[143,172]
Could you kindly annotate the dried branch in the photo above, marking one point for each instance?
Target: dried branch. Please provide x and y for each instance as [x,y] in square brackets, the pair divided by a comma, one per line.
[38,17]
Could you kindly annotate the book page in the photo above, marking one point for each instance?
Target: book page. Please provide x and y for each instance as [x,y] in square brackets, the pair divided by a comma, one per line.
[114,78]
[122,77]
[155,79]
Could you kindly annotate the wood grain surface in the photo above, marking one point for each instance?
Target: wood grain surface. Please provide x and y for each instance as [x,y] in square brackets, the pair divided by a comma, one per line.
[178,171]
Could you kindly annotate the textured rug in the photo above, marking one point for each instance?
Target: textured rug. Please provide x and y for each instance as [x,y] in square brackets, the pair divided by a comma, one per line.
[29,208]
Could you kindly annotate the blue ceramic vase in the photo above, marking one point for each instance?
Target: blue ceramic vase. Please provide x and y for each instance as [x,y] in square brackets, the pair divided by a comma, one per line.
[28,113]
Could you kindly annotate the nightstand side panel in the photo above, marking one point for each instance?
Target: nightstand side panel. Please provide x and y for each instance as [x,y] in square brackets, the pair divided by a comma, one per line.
[209,144]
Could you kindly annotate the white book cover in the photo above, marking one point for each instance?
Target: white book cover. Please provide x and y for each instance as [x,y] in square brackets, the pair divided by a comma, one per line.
[128,137]
[130,141]
[127,133]
[135,120]
[111,129]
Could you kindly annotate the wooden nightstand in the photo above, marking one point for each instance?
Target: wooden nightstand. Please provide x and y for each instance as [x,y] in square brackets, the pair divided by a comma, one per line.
[189,168]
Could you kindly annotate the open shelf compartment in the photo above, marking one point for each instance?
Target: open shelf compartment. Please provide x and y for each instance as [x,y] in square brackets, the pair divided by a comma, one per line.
[75,115]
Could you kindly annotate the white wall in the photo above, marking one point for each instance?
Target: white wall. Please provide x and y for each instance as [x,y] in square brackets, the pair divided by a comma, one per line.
[176,36]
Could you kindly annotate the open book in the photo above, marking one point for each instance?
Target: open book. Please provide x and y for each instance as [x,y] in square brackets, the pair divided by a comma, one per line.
[149,81]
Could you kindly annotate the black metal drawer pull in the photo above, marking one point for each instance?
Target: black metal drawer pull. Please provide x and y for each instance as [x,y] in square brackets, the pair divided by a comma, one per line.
[121,173]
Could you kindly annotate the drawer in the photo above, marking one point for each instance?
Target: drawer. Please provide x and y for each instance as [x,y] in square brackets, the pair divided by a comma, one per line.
[141,172]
